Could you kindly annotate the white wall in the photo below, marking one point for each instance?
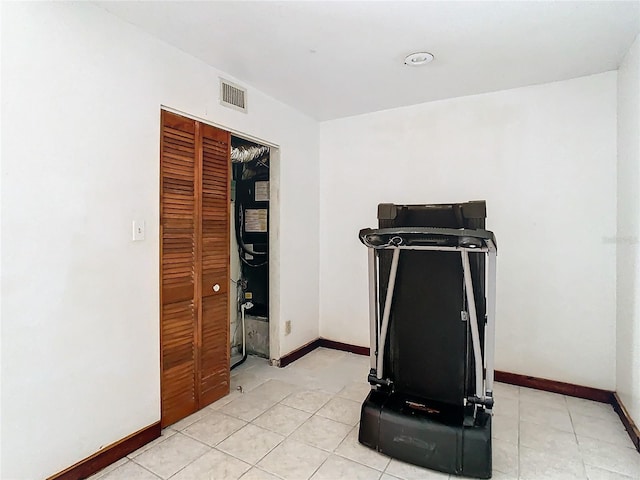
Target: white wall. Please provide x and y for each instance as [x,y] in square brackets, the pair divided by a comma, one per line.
[81,97]
[628,278]
[544,158]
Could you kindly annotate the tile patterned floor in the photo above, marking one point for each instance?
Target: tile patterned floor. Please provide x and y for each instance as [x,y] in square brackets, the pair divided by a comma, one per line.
[301,422]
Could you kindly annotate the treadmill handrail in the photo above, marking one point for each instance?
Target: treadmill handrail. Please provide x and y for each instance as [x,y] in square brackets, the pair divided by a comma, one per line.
[421,237]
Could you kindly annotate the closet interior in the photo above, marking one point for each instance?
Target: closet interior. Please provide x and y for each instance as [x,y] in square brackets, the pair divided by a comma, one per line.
[250,249]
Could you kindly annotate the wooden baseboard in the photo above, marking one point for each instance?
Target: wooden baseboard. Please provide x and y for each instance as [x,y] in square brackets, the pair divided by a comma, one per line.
[299,353]
[589,393]
[109,454]
[345,347]
[321,342]
[627,421]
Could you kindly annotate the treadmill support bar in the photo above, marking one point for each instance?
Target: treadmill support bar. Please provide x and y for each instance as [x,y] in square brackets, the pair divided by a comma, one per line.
[473,321]
[489,338]
[373,307]
[387,312]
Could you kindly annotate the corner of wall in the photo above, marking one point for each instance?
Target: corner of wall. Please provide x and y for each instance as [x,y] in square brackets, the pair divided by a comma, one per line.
[628,232]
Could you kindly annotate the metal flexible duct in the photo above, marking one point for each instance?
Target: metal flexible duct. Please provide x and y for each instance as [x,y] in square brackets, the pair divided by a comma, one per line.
[246,154]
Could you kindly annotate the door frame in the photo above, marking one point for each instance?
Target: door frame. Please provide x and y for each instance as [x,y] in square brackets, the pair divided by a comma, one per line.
[274,227]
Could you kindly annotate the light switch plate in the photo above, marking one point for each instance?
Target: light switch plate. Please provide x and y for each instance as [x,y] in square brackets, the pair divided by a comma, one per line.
[138,230]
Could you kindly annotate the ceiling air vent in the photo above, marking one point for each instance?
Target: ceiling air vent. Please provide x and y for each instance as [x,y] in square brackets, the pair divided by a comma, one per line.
[233,96]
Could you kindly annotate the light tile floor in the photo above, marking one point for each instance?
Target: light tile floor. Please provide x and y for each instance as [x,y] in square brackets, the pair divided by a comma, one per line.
[301,422]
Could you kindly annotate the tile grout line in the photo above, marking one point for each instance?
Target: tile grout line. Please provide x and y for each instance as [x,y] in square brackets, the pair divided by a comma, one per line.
[318,468]
[575,435]
[185,466]
[225,438]
[145,468]
[356,461]
[519,437]
[593,437]
[147,445]
[262,470]
[295,408]
[109,469]
[259,459]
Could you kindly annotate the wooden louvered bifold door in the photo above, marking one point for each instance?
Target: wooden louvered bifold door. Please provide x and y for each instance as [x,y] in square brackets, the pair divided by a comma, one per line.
[214,351]
[194,252]
[178,259]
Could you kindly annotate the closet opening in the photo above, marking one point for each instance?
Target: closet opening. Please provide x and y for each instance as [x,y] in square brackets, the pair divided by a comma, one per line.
[249,250]
[219,231]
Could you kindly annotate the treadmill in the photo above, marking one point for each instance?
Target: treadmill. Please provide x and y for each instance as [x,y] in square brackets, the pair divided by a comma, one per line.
[432,324]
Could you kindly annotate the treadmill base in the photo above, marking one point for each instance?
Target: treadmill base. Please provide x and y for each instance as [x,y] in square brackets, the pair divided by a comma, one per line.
[425,437]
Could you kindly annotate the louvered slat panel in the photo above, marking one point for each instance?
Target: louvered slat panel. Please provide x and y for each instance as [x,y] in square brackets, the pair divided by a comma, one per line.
[178,366]
[214,359]
[214,351]
[178,259]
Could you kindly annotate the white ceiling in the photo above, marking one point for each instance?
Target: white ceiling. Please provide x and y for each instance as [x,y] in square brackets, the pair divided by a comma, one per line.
[336,58]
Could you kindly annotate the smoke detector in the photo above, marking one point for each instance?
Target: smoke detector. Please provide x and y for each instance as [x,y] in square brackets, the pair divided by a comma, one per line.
[417,59]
